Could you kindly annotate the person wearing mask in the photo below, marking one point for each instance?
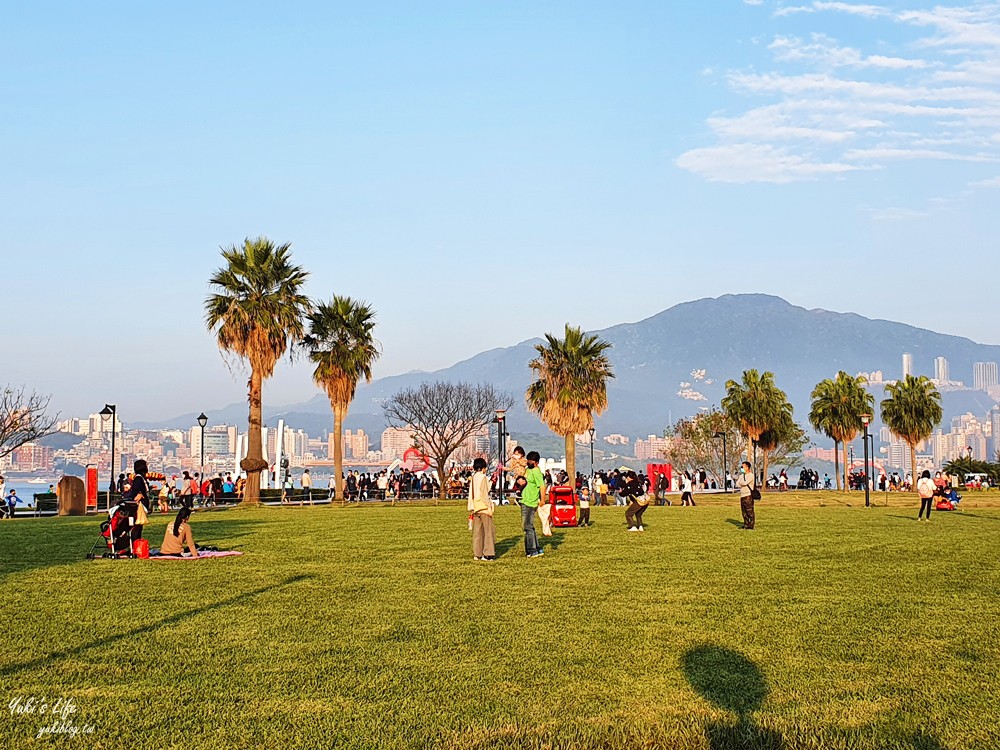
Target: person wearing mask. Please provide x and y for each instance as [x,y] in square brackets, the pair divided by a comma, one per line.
[531,496]
[178,534]
[480,508]
[925,489]
[747,485]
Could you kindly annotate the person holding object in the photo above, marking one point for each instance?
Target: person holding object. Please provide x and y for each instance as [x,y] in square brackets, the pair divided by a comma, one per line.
[633,492]
[925,489]
[481,510]
[138,493]
[747,486]
[534,488]
[178,534]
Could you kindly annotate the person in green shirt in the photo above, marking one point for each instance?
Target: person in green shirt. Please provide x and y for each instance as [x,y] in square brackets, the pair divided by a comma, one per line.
[530,498]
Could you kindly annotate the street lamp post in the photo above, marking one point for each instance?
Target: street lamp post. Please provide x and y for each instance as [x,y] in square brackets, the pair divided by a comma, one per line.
[850,466]
[865,421]
[111,411]
[501,452]
[725,461]
[202,421]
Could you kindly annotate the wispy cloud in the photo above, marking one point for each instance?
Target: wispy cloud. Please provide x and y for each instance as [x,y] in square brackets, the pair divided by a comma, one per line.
[825,108]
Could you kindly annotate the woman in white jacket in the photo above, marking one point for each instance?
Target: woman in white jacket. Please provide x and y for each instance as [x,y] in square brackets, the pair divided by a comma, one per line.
[481,511]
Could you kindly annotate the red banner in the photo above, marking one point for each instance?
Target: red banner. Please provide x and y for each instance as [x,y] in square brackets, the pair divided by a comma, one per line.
[91,487]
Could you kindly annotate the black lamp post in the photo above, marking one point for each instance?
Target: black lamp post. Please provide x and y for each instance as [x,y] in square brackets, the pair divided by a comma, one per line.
[110,411]
[202,421]
[865,420]
[725,461]
[501,420]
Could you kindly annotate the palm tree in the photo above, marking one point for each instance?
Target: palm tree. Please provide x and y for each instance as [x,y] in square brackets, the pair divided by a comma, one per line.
[571,387]
[341,344]
[783,430]
[756,404]
[911,412]
[256,312]
[837,406]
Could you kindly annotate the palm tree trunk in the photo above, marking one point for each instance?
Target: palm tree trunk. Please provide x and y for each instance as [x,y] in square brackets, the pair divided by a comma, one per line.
[767,460]
[847,469]
[836,462]
[913,466]
[254,463]
[338,451]
[571,459]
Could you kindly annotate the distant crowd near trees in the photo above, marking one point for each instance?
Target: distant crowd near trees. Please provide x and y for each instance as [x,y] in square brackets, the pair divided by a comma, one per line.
[257,312]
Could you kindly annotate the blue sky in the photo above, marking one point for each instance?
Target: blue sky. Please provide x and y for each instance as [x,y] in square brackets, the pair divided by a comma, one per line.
[480,172]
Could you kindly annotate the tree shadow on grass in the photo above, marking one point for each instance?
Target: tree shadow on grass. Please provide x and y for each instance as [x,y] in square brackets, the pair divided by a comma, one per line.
[138,633]
[734,522]
[732,682]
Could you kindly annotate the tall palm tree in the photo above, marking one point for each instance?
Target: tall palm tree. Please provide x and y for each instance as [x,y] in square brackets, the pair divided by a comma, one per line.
[911,412]
[837,406]
[256,312]
[341,344]
[783,429]
[756,404]
[572,378]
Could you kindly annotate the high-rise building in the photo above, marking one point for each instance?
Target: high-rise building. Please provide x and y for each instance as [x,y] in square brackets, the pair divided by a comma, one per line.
[395,442]
[907,364]
[941,369]
[984,375]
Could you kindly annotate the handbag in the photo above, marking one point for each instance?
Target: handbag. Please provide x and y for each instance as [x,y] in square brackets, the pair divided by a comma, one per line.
[141,518]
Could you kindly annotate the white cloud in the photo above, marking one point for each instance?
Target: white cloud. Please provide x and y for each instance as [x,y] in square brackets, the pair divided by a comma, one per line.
[993,182]
[867,11]
[747,162]
[825,108]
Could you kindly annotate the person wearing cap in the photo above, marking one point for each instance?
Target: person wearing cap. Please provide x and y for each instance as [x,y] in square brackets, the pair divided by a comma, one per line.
[532,494]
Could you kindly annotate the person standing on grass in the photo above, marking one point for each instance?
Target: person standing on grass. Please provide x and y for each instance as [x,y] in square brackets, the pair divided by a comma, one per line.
[584,506]
[307,486]
[925,489]
[481,509]
[747,485]
[687,498]
[534,489]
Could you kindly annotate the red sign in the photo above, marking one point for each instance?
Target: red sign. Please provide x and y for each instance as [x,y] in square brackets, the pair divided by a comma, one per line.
[414,460]
[91,487]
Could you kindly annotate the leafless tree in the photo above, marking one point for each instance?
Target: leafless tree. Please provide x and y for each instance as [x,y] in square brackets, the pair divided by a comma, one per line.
[442,416]
[23,418]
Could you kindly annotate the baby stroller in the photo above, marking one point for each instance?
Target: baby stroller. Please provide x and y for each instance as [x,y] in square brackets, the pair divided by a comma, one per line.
[116,533]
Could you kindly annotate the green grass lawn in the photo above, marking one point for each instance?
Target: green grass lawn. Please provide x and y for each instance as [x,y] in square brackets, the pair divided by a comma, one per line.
[830,626]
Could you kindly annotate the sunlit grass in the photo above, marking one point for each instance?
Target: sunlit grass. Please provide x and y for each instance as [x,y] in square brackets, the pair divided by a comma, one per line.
[828,626]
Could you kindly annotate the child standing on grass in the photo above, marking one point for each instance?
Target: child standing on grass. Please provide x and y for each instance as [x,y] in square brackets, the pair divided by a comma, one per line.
[584,506]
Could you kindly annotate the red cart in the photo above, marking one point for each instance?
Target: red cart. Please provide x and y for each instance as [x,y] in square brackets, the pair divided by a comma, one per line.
[563,500]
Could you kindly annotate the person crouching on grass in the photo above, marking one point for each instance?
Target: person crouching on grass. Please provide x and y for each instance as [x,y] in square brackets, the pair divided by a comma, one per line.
[533,492]
[481,508]
[637,503]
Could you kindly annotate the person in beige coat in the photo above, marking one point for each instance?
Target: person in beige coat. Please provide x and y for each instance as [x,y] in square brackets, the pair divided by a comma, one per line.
[481,511]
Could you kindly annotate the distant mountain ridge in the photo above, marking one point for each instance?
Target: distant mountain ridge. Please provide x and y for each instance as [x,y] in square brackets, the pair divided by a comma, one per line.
[677,361]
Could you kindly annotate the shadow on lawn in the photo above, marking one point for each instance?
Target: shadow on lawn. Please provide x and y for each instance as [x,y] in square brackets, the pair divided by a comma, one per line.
[137,633]
[732,682]
[506,545]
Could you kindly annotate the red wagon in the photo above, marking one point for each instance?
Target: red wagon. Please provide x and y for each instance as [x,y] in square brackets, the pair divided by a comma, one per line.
[563,500]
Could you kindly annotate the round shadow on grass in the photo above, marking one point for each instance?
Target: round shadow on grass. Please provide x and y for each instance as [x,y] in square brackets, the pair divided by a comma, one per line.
[726,678]
[729,680]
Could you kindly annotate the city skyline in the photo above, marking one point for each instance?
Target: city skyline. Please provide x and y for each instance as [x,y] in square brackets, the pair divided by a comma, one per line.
[428,159]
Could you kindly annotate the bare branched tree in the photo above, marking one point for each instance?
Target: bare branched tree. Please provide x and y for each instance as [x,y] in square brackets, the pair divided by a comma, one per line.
[695,445]
[23,418]
[442,416]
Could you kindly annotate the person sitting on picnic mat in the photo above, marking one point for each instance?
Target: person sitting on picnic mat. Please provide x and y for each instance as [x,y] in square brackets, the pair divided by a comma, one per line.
[178,534]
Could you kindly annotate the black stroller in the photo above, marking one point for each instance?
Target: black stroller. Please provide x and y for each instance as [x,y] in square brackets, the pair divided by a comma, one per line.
[116,533]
